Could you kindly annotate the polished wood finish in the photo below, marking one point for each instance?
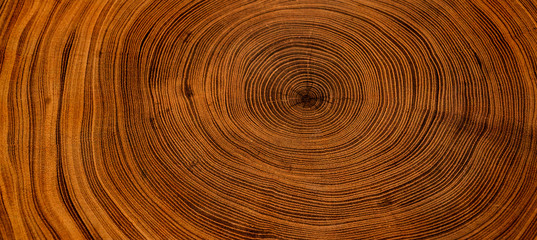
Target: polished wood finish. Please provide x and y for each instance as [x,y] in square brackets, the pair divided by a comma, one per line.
[305,119]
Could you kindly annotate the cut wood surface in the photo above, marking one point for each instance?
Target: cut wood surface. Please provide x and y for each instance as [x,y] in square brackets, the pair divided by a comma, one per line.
[269,119]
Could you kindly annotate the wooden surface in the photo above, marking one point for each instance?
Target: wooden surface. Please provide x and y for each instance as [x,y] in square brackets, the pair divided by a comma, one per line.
[306,119]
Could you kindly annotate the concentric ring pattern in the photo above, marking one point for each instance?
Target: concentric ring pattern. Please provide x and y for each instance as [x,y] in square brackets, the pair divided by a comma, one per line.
[304,119]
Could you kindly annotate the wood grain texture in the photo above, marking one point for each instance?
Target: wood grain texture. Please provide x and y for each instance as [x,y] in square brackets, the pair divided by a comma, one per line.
[269,119]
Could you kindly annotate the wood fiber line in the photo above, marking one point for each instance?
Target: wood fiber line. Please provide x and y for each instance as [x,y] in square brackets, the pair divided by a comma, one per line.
[270,119]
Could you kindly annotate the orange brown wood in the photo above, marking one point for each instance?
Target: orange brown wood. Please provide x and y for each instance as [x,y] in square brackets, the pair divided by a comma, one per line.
[269,119]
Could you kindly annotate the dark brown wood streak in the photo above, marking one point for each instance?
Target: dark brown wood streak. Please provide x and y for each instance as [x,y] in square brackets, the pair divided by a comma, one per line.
[268,119]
